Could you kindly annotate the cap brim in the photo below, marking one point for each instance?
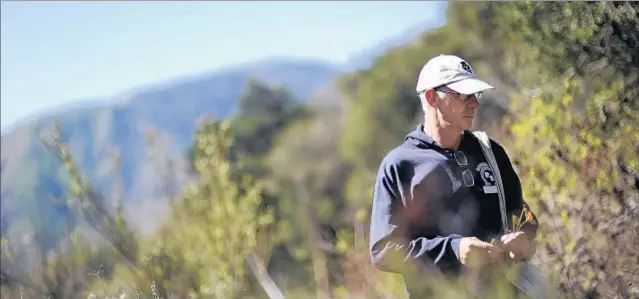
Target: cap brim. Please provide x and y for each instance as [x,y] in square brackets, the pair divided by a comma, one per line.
[469,86]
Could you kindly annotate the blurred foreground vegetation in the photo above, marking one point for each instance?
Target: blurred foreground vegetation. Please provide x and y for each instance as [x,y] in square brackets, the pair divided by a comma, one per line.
[279,195]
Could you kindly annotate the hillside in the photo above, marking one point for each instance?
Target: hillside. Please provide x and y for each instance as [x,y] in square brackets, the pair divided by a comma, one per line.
[30,175]
[567,73]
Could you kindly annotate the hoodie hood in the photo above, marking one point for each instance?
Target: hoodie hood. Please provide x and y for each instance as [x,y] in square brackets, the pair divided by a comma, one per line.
[421,140]
[418,138]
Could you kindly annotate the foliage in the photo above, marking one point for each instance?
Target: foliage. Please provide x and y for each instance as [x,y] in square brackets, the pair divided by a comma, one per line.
[263,113]
[218,219]
[585,135]
[64,272]
[213,227]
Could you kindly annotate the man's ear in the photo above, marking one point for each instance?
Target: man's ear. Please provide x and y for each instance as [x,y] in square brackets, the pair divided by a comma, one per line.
[430,95]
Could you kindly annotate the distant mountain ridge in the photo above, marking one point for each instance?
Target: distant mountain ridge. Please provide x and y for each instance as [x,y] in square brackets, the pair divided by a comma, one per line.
[258,69]
[30,175]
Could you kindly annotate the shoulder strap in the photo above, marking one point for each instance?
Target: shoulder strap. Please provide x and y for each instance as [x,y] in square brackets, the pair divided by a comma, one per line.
[529,279]
[492,162]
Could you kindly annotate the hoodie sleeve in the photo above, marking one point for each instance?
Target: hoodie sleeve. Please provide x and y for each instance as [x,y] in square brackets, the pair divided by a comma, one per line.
[515,204]
[391,248]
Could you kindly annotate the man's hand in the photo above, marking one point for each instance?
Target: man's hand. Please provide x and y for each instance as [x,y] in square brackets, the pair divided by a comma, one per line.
[475,253]
[518,245]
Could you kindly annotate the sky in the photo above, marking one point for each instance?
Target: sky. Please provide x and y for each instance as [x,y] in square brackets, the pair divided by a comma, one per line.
[58,53]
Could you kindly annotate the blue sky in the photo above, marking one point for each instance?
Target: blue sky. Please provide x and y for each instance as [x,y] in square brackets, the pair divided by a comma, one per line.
[56,53]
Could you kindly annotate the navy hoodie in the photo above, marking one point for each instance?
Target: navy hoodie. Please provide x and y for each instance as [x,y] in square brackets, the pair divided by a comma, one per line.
[421,207]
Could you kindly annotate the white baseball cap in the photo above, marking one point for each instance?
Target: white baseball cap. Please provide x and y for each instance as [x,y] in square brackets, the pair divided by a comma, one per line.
[453,72]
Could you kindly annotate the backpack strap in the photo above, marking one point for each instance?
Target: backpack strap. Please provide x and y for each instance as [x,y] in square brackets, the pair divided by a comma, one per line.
[492,162]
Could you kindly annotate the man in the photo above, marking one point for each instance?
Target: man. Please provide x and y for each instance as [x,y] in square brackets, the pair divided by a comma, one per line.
[435,205]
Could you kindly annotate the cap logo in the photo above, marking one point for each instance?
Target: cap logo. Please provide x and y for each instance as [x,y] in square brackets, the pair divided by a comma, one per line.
[466,67]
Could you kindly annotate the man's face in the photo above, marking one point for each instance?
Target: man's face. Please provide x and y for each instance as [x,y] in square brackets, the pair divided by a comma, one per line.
[457,110]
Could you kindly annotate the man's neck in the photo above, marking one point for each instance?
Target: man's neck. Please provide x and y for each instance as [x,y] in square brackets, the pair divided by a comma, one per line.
[447,137]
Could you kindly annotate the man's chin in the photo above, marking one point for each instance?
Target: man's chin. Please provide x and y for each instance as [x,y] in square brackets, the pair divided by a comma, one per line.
[467,123]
